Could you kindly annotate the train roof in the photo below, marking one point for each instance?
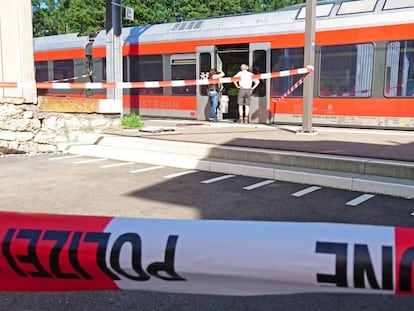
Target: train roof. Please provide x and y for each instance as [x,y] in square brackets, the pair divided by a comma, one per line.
[289,19]
[65,41]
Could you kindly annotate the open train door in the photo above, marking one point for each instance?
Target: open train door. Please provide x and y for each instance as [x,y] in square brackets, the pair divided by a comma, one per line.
[259,61]
[206,59]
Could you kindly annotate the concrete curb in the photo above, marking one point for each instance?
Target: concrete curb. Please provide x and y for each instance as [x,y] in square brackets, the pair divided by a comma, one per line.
[393,178]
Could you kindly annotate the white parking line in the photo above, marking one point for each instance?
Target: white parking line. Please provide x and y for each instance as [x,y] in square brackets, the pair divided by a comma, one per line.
[412,214]
[66,157]
[209,181]
[305,191]
[360,199]
[259,184]
[146,169]
[90,161]
[117,164]
[180,174]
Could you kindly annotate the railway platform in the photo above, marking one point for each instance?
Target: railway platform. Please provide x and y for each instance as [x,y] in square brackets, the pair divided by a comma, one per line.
[367,160]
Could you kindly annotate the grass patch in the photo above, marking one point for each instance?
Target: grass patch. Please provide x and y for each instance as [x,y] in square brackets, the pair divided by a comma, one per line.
[132,120]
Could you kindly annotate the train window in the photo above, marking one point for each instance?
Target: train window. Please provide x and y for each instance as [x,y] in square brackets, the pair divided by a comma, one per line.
[360,6]
[399,73]
[42,71]
[346,70]
[190,25]
[99,69]
[183,67]
[186,25]
[146,68]
[259,66]
[322,10]
[175,26]
[205,66]
[286,59]
[63,69]
[42,75]
[398,4]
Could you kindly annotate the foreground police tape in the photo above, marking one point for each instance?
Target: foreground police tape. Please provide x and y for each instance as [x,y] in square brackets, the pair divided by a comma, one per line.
[149,84]
[43,252]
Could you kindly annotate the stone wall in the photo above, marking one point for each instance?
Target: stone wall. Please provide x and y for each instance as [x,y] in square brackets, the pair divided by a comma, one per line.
[25,129]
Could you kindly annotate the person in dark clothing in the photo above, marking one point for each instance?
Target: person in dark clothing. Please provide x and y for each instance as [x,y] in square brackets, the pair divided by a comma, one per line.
[213,91]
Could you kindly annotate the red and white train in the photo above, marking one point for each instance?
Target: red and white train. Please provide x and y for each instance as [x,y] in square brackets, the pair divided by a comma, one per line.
[364,63]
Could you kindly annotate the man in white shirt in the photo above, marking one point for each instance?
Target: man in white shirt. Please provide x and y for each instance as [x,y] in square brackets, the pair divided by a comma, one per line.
[245,91]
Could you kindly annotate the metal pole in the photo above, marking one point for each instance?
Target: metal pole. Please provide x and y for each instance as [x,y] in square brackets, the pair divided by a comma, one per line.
[110,76]
[117,25]
[114,72]
[309,59]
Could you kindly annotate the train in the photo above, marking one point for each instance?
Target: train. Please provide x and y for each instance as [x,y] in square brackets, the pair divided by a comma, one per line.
[363,70]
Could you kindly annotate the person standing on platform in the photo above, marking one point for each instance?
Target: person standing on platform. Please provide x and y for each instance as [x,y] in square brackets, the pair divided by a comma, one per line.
[246,85]
[213,92]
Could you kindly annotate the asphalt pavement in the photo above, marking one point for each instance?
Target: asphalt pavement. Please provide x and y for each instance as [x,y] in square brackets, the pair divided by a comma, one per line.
[223,146]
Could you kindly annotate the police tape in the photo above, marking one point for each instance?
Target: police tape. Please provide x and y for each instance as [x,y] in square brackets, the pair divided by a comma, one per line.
[41,252]
[70,79]
[149,84]
[291,89]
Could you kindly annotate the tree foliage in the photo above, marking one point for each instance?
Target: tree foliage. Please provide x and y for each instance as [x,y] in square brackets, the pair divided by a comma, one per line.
[87,16]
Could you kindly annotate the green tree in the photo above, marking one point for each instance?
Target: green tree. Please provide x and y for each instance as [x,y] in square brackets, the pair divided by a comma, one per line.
[67,16]
[47,18]
[87,16]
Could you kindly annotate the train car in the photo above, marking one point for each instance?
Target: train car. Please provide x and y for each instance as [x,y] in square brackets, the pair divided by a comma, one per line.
[61,58]
[364,63]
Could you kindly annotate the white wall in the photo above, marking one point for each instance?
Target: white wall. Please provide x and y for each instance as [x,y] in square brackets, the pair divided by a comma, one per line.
[16,48]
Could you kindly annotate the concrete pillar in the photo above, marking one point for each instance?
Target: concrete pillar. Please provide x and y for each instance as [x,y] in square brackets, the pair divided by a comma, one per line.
[16,48]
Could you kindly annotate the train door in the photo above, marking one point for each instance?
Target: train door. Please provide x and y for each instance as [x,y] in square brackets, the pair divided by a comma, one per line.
[232,56]
[206,59]
[229,58]
[259,61]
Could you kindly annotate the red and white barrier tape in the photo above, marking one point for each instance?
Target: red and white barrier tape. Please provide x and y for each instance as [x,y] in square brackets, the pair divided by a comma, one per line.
[41,252]
[288,92]
[69,79]
[150,84]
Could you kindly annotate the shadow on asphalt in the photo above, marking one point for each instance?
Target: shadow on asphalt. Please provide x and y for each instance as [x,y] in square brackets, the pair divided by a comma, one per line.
[226,200]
